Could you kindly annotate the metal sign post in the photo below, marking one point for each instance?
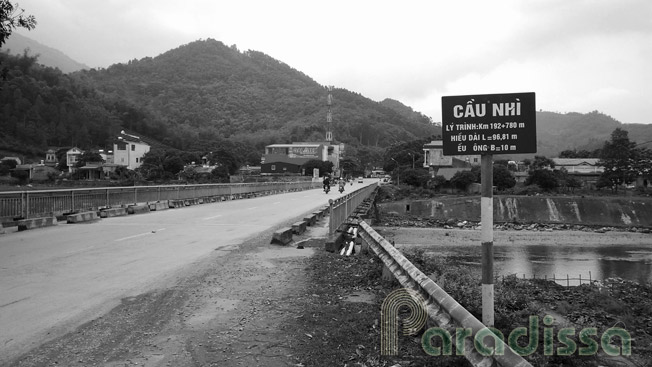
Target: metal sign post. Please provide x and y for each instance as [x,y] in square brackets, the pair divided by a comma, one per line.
[487,238]
[485,125]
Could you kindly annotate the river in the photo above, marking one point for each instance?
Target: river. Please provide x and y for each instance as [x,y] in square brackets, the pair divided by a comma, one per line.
[564,255]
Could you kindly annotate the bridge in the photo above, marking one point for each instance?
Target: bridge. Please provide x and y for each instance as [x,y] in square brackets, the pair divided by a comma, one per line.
[56,278]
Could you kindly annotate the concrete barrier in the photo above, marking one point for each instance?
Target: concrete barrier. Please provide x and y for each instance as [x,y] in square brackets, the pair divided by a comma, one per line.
[137,209]
[176,203]
[318,215]
[299,227]
[282,236]
[113,212]
[193,201]
[310,219]
[161,205]
[335,242]
[82,217]
[25,224]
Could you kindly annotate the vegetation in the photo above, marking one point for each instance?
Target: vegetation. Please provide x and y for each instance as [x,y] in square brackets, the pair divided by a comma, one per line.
[615,302]
[12,17]
[623,162]
[197,98]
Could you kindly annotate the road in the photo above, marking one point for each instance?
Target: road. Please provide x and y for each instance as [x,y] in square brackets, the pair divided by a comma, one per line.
[54,279]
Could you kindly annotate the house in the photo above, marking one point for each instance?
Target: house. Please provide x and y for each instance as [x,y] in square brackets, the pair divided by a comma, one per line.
[579,166]
[50,158]
[435,160]
[288,159]
[72,157]
[586,170]
[128,151]
[97,171]
[16,159]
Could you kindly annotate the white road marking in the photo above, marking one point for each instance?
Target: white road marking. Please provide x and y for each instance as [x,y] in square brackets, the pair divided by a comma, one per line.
[213,217]
[139,235]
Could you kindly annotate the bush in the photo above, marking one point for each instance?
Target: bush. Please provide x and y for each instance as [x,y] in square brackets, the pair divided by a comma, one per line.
[461,180]
[546,179]
[415,177]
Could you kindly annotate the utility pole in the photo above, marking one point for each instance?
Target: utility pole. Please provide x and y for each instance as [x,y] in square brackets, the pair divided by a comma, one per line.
[329,116]
[398,173]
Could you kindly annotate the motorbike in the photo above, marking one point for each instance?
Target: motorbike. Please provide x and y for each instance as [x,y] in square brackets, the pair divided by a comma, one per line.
[327,189]
[341,189]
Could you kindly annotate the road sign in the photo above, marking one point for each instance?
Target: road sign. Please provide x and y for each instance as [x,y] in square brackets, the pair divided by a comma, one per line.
[489,124]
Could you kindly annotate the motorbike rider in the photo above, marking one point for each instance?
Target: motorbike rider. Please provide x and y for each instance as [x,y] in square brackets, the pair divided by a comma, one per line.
[341,183]
[327,184]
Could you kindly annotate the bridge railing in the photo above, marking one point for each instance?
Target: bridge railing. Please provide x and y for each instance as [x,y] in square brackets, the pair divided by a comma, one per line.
[38,203]
[342,207]
[442,309]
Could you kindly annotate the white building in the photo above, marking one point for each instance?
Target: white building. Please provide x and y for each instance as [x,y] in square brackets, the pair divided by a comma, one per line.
[129,150]
[72,157]
[433,153]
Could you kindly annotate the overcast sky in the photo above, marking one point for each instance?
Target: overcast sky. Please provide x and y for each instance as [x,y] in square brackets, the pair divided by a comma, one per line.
[576,55]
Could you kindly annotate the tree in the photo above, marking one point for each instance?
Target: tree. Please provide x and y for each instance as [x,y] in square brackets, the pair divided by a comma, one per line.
[503,178]
[224,158]
[546,179]
[324,167]
[541,162]
[415,177]
[12,17]
[6,166]
[462,179]
[619,157]
[437,182]
[89,157]
[350,167]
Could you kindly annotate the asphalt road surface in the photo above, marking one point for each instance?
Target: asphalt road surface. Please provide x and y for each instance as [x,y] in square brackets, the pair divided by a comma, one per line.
[54,279]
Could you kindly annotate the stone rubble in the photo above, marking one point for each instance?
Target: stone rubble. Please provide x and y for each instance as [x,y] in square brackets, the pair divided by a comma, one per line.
[394,220]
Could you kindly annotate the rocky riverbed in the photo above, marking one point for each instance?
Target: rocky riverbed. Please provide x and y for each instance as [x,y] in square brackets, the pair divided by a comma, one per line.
[395,220]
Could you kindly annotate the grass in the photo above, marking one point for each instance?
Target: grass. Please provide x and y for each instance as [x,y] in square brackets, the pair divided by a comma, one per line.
[616,303]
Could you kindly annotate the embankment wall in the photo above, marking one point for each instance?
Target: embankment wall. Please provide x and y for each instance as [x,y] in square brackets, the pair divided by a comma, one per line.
[605,211]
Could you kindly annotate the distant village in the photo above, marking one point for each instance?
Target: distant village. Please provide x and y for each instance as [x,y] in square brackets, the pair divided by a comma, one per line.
[278,160]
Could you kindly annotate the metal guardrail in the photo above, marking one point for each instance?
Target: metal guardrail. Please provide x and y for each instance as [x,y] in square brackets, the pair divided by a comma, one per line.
[342,207]
[37,203]
[442,309]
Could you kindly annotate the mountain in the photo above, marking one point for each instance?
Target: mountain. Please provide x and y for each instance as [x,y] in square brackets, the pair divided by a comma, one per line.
[16,44]
[557,132]
[206,89]
[205,95]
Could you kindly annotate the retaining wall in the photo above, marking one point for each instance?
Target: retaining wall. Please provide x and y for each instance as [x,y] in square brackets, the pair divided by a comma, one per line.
[604,211]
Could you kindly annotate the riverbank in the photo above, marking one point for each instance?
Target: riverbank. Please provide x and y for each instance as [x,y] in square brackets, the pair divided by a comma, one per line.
[555,210]
[611,302]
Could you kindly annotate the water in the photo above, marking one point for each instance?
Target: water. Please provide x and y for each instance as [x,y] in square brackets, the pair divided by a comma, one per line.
[633,262]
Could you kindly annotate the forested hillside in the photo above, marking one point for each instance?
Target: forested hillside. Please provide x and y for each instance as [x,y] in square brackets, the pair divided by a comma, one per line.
[205,95]
[194,98]
[207,90]
[557,132]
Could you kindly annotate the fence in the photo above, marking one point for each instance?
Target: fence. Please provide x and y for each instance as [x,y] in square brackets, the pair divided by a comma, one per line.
[38,203]
[564,281]
[342,207]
